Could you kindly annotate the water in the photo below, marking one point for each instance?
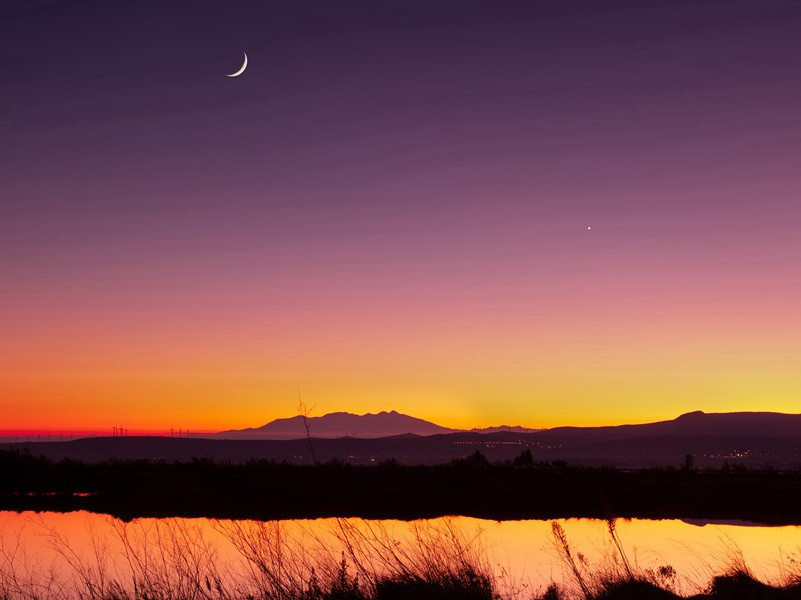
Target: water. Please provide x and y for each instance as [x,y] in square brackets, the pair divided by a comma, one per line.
[522,555]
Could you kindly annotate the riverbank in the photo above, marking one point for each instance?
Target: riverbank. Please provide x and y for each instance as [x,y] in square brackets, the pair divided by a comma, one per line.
[469,487]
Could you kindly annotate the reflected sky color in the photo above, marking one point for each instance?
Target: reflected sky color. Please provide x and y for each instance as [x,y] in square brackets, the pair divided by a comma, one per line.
[390,209]
[521,554]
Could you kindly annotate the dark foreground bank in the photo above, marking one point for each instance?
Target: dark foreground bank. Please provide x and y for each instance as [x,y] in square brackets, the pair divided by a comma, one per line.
[471,487]
[735,586]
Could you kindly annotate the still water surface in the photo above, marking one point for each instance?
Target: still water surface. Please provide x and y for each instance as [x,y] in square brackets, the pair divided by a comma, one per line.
[521,554]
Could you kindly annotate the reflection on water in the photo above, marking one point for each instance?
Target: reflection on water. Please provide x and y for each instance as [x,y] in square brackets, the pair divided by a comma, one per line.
[55,548]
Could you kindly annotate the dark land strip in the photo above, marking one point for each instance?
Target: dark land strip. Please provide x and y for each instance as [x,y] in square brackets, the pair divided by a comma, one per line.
[520,489]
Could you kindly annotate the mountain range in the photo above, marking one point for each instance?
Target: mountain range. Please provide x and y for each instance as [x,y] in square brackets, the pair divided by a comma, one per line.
[393,423]
[755,439]
[344,424]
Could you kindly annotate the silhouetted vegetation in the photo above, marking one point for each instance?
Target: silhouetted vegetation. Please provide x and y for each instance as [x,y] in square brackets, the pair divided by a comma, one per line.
[622,582]
[472,486]
[176,560]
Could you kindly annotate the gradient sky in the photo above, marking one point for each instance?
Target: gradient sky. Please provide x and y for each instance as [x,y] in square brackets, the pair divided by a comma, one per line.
[390,210]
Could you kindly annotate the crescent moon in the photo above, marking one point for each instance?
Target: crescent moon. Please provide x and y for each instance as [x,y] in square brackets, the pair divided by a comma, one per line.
[241,69]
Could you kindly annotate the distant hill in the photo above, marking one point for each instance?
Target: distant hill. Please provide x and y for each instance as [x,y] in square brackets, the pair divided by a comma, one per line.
[386,424]
[698,423]
[339,424]
[754,439]
[504,428]
[344,424]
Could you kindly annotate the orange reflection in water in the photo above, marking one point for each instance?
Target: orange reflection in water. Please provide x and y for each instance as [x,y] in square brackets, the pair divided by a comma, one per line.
[521,554]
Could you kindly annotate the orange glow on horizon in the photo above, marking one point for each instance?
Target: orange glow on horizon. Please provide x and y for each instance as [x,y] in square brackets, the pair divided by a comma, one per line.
[507,213]
[586,355]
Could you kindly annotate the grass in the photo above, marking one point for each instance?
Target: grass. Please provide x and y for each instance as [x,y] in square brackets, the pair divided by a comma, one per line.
[621,581]
[174,560]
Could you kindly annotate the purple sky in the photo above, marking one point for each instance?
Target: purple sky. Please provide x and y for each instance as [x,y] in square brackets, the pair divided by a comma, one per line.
[399,179]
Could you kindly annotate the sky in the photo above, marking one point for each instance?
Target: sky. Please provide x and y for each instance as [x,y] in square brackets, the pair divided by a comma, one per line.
[476,212]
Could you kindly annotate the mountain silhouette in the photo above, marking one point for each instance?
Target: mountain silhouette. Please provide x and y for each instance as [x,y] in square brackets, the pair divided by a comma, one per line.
[392,423]
[756,439]
[504,428]
[340,424]
[697,423]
